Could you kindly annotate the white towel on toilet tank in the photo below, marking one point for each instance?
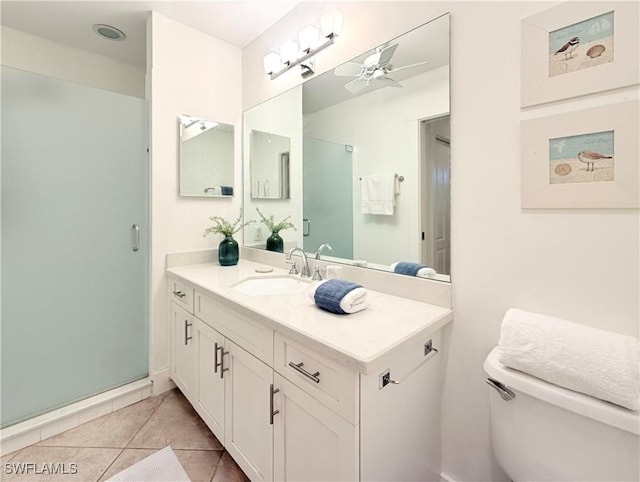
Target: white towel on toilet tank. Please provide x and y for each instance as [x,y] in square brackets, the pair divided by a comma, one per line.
[588,360]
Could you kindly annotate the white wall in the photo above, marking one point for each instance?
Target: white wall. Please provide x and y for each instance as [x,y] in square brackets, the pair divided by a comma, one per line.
[578,264]
[195,74]
[383,127]
[35,54]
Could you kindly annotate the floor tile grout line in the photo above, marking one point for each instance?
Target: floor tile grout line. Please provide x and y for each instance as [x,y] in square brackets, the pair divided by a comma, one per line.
[146,421]
[109,466]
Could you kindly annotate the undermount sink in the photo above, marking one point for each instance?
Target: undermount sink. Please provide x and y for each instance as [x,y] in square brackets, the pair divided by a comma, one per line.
[271,285]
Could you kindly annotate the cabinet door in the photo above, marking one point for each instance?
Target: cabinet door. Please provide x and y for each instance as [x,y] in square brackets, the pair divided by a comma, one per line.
[210,404]
[248,432]
[183,352]
[311,442]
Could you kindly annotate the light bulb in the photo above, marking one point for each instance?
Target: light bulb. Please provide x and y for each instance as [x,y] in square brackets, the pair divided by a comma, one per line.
[308,38]
[331,23]
[271,63]
[288,52]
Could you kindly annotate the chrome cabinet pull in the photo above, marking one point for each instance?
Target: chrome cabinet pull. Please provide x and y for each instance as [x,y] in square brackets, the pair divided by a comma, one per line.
[186,332]
[505,392]
[216,364]
[272,413]
[179,294]
[135,235]
[222,354]
[298,367]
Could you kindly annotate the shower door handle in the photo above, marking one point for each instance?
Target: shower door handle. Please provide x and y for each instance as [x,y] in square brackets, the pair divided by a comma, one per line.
[306,223]
[135,237]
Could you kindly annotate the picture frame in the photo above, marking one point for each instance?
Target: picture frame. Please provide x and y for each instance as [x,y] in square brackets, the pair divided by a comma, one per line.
[603,55]
[586,158]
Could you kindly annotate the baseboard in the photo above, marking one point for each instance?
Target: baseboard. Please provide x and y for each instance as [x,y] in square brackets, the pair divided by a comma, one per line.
[161,381]
[43,426]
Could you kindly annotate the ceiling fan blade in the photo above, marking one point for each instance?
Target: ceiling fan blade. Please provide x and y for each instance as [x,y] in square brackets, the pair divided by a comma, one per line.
[355,86]
[386,54]
[388,81]
[398,69]
[350,69]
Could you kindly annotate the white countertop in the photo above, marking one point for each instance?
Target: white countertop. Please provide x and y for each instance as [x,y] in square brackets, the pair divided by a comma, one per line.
[362,340]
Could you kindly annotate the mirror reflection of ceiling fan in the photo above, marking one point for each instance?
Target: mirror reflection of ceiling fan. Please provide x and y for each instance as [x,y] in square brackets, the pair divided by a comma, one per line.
[374,71]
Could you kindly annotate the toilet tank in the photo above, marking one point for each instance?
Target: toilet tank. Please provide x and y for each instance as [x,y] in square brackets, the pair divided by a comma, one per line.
[549,433]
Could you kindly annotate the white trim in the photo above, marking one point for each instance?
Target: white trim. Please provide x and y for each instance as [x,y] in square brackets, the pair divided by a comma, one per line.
[161,381]
[43,426]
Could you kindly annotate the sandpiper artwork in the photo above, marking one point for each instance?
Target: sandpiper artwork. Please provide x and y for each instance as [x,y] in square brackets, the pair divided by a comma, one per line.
[582,158]
[582,45]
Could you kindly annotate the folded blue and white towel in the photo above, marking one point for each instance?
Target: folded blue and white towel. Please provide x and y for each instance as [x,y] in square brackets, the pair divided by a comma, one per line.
[413,269]
[339,296]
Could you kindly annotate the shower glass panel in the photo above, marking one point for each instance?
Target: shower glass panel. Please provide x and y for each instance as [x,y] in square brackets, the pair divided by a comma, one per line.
[327,196]
[74,287]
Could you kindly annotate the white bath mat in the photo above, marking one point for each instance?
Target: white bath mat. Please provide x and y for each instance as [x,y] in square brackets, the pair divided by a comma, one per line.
[162,466]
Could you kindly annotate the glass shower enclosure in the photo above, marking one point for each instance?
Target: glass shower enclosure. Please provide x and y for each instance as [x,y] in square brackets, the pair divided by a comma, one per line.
[74,243]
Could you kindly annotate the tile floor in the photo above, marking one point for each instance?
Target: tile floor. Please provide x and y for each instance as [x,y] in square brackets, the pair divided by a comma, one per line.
[103,447]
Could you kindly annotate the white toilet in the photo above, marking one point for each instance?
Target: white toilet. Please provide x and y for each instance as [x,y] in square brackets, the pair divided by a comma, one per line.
[543,432]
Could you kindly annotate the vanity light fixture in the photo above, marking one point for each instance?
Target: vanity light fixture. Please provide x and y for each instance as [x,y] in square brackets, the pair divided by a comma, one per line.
[302,52]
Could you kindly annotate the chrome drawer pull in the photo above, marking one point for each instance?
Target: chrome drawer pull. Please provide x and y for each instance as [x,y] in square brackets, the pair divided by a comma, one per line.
[298,367]
[179,294]
[272,413]
[186,332]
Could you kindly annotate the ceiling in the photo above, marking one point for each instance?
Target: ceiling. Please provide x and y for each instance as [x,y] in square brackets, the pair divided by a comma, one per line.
[70,22]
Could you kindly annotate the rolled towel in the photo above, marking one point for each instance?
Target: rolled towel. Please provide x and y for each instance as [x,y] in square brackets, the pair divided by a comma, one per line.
[339,296]
[413,269]
[588,360]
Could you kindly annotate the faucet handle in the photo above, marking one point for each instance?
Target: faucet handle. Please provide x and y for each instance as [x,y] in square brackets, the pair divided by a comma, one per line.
[316,274]
[293,269]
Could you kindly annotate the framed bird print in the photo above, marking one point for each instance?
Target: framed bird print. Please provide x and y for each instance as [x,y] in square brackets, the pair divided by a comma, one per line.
[586,158]
[577,49]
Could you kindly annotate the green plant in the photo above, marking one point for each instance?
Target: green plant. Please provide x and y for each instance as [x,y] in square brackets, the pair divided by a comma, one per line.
[222,226]
[276,228]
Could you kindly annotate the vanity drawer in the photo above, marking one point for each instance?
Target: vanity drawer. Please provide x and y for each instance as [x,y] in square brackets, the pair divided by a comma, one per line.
[251,335]
[329,382]
[181,294]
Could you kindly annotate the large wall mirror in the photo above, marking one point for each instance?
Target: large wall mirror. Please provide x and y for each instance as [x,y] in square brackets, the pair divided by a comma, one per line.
[369,157]
[206,157]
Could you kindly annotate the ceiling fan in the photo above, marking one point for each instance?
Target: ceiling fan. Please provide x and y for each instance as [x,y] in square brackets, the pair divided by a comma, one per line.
[373,71]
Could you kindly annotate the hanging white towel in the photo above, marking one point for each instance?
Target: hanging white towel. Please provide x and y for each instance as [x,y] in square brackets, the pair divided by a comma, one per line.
[588,360]
[377,194]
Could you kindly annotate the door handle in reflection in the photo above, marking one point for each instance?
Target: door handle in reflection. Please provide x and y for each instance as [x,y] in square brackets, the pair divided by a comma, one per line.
[135,237]
[306,226]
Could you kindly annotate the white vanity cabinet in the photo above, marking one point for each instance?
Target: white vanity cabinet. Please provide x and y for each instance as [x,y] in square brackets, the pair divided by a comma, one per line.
[288,411]
[183,350]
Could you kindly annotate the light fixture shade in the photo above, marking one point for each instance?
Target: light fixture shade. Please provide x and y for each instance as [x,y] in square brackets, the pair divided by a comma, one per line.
[288,52]
[308,38]
[271,63]
[331,23]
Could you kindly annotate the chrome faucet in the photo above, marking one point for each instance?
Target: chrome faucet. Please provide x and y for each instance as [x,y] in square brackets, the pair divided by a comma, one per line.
[305,271]
[323,246]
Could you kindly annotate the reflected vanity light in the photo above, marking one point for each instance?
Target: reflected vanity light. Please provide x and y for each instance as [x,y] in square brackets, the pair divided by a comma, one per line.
[302,52]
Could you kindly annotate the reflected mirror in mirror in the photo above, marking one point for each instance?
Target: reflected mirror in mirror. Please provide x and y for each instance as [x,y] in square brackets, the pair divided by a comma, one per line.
[269,165]
[206,157]
[375,167]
